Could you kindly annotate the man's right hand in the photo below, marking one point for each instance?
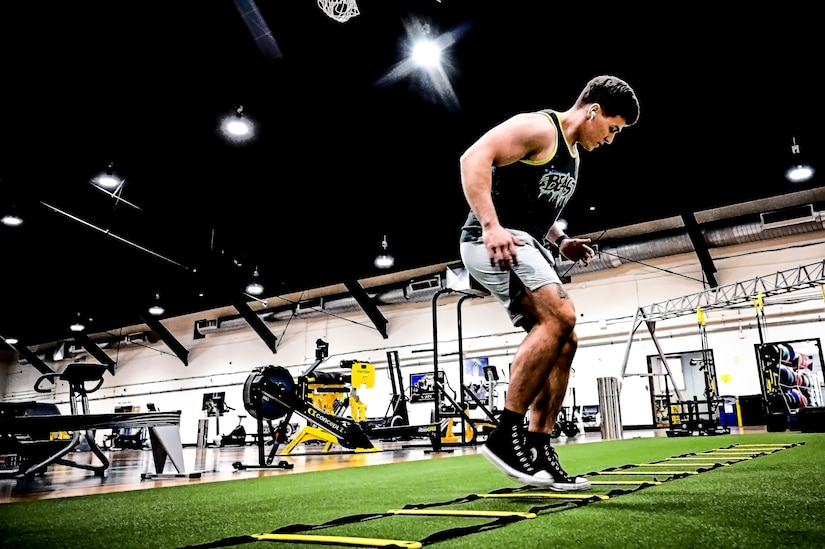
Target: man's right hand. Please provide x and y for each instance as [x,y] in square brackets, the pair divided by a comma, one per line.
[501,247]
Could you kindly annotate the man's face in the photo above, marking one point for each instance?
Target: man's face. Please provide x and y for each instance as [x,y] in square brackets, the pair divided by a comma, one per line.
[601,130]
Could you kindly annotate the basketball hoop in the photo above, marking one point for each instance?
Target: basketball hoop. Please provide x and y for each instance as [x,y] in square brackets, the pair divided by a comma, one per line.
[340,10]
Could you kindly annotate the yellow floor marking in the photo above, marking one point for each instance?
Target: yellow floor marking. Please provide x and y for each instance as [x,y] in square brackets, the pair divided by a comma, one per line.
[763,445]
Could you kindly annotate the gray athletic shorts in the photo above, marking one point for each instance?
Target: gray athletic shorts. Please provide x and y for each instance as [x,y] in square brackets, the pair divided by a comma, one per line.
[535,269]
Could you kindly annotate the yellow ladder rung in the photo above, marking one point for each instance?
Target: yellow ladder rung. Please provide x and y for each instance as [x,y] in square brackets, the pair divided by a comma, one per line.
[671,464]
[622,482]
[544,495]
[339,540]
[646,473]
[735,450]
[689,461]
[461,513]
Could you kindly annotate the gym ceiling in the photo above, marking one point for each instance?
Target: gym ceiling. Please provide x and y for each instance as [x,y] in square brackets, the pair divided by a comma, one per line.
[353,147]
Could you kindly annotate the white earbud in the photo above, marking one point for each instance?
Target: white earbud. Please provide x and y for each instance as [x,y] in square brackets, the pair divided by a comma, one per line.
[592,115]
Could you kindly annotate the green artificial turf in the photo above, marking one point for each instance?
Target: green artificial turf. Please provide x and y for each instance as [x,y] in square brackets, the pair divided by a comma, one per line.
[772,500]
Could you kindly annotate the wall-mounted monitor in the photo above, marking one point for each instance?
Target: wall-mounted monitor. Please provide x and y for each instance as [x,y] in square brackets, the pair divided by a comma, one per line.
[214,403]
[422,387]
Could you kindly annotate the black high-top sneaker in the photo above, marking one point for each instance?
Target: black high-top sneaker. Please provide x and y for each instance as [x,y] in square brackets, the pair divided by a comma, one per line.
[506,447]
[548,460]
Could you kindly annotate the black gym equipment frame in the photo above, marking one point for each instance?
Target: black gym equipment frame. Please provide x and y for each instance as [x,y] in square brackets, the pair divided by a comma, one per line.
[271,393]
[691,419]
[457,408]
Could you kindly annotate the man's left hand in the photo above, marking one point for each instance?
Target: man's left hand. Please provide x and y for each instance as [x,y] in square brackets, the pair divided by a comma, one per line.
[577,249]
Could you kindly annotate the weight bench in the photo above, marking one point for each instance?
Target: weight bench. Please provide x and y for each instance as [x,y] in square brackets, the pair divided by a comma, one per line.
[26,447]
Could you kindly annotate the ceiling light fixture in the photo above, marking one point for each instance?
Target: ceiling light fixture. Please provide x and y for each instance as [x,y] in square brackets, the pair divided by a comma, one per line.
[255,287]
[11,219]
[384,260]
[156,309]
[78,326]
[800,171]
[108,179]
[237,127]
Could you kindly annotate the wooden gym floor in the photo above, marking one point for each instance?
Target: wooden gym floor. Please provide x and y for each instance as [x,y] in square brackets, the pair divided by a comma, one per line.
[211,464]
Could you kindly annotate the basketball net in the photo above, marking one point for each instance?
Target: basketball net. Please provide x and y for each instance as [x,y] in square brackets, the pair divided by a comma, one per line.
[340,10]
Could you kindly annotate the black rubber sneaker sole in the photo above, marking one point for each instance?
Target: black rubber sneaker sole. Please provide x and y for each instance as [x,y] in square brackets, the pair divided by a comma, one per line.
[541,478]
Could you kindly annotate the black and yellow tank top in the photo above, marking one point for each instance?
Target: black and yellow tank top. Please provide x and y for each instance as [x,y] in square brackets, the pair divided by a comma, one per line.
[530,195]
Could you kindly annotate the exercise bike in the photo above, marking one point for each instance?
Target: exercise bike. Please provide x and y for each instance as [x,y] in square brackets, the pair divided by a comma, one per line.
[238,435]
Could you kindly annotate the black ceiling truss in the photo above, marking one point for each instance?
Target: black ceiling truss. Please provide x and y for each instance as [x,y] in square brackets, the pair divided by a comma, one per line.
[32,357]
[256,323]
[368,305]
[155,325]
[98,353]
[701,247]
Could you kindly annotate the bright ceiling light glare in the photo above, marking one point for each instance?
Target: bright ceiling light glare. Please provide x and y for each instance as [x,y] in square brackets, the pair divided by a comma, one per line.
[254,288]
[427,65]
[108,179]
[156,309]
[11,220]
[12,340]
[237,127]
[799,173]
[384,261]
[426,53]
[78,325]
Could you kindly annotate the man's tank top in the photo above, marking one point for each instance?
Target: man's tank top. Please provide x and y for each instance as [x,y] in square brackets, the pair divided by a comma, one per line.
[530,195]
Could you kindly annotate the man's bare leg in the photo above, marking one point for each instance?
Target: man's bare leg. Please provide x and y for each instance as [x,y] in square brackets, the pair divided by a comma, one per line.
[539,377]
[546,407]
[545,354]
[507,446]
